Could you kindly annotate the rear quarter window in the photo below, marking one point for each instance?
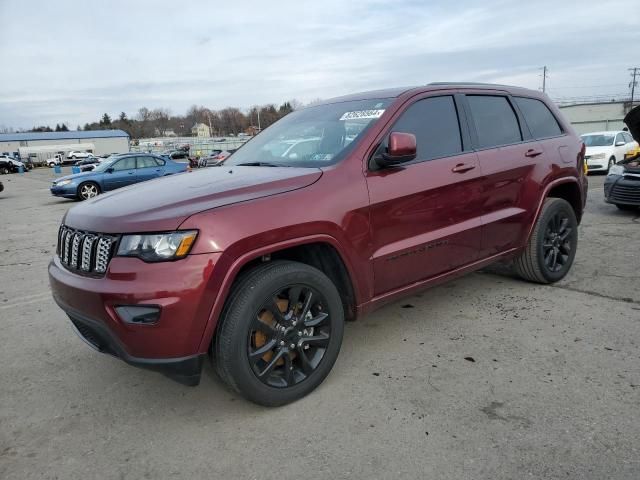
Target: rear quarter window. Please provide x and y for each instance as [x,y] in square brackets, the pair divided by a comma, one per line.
[539,118]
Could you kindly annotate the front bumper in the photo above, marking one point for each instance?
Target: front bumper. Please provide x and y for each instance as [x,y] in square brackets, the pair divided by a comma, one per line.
[185,370]
[66,191]
[597,164]
[183,291]
[622,189]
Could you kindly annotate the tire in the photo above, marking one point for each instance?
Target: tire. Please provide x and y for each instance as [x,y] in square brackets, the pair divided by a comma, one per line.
[612,162]
[88,190]
[626,208]
[283,352]
[556,219]
[4,170]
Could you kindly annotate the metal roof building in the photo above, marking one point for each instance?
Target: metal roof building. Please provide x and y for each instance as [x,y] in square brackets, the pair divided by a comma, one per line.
[42,145]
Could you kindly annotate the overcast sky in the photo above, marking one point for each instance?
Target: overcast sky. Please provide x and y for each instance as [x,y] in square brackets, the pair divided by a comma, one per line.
[65,61]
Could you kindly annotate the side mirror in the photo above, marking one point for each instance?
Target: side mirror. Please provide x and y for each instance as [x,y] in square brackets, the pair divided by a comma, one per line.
[402,148]
[620,144]
[109,170]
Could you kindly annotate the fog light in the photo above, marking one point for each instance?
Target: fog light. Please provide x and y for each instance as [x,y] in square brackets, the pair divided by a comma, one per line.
[139,314]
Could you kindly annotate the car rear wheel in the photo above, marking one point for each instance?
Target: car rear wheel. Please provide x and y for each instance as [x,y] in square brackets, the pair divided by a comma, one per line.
[88,190]
[552,245]
[280,333]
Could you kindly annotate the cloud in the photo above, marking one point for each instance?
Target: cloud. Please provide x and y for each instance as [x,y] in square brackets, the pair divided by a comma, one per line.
[77,61]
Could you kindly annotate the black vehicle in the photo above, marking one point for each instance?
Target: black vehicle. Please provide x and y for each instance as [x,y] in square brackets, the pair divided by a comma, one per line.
[622,185]
[5,166]
[1,187]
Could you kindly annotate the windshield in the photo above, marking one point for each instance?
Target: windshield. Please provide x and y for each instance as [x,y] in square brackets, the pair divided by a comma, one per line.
[603,140]
[312,137]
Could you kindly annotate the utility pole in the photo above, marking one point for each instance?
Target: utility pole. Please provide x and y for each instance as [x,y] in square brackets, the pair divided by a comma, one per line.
[544,79]
[634,73]
[258,119]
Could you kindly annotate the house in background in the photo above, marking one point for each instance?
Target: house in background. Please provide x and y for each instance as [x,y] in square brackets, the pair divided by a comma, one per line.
[200,130]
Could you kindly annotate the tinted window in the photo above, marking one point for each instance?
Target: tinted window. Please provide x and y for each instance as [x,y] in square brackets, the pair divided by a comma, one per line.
[434,122]
[496,122]
[628,137]
[146,162]
[127,163]
[541,121]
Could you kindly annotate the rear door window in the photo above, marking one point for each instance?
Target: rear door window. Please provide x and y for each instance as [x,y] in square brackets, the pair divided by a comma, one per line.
[434,122]
[146,162]
[496,122]
[128,163]
[538,117]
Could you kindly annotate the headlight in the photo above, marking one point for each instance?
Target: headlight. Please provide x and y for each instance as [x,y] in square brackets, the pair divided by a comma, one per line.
[616,170]
[157,247]
[597,156]
[63,183]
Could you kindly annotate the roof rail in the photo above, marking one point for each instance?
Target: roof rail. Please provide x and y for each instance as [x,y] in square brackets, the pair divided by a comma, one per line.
[474,84]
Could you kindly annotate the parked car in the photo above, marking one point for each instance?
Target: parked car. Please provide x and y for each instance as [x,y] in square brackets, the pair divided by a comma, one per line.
[605,149]
[115,172]
[622,185]
[88,164]
[75,154]
[11,165]
[1,187]
[5,166]
[260,263]
[215,159]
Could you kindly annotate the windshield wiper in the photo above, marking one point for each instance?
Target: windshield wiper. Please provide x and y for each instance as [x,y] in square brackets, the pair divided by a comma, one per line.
[259,164]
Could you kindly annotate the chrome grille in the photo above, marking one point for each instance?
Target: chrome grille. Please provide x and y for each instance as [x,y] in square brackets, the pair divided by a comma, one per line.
[85,252]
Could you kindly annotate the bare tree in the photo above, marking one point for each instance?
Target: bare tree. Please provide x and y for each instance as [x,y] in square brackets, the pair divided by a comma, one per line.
[160,120]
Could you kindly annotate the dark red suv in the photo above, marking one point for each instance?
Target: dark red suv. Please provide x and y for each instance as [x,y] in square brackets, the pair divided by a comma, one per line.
[329,213]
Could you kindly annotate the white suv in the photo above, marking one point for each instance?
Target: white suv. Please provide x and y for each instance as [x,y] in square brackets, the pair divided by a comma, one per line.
[605,149]
[73,155]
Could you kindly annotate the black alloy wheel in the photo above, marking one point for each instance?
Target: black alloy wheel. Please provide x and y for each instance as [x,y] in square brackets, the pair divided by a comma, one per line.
[556,246]
[280,332]
[552,245]
[288,336]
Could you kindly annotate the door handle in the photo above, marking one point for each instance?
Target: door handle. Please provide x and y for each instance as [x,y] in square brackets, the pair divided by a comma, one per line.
[462,167]
[531,153]
[131,173]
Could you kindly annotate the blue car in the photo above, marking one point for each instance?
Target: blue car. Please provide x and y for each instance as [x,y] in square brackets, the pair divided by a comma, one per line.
[115,172]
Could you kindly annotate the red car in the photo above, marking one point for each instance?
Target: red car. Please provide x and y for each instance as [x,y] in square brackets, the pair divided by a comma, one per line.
[260,262]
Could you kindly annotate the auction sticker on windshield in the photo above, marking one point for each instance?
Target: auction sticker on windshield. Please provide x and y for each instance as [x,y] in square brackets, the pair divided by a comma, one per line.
[361,114]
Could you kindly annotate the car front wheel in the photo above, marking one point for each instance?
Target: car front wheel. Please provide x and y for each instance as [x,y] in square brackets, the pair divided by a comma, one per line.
[280,333]
[612,162]
[552,246]
[88,190]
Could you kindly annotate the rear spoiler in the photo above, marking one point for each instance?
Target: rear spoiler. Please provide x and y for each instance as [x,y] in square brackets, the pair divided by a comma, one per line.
[632,119]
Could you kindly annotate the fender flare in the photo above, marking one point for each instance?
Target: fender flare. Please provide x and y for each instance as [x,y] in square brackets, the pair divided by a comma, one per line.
[544,196]
[238,263]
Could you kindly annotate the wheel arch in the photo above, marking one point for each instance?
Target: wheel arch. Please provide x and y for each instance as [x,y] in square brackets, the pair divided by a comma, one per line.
[566,188]
[320,251]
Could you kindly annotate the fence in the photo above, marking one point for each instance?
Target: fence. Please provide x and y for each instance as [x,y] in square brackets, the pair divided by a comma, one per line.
[200,146]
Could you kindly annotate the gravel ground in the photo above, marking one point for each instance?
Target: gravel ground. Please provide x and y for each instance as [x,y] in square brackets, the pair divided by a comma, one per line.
[487,377]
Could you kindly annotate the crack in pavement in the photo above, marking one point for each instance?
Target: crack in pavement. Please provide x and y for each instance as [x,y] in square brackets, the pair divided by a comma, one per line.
[597,294]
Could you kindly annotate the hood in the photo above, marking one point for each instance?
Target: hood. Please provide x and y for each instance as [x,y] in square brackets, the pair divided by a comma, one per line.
[632,120]
[74,176]
[163,204]
[595,150]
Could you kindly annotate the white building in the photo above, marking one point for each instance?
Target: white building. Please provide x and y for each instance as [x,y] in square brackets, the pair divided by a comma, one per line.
[597,116]
[39,146]
[200,130]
